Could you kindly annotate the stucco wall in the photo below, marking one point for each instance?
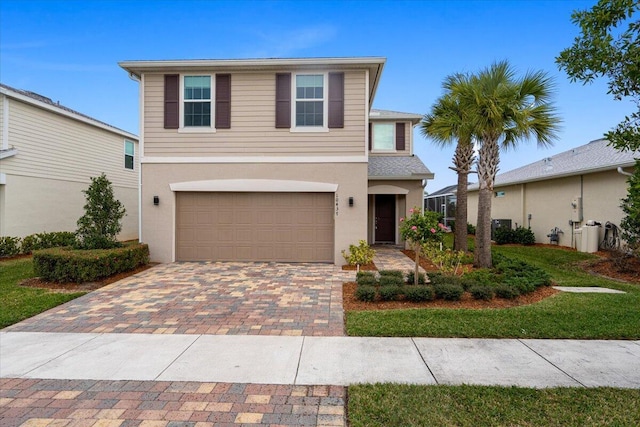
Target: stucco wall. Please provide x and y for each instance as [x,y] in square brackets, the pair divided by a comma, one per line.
[549,203]
[34,205]
[158,229]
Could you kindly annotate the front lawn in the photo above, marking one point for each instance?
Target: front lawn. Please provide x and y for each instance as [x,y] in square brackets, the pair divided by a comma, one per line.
[19,303]
[410,405]
[565,315]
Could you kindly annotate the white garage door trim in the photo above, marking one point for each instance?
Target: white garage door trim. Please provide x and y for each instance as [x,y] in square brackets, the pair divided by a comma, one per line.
[255,186]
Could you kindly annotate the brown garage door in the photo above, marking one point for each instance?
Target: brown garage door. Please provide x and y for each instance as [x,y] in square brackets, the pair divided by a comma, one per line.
[293,227]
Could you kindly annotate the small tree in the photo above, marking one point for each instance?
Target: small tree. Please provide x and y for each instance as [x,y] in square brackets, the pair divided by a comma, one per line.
[419,229]
[101,222]
[630,224]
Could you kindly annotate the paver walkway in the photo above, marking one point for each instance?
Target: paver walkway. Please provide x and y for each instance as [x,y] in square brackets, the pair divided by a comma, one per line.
[209,298]
[36,403]
[391,258]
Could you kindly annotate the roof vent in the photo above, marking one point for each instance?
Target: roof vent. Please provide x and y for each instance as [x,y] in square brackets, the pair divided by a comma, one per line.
[548,166]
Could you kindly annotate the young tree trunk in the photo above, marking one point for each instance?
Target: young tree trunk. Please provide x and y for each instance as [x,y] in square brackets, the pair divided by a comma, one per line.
[417,269]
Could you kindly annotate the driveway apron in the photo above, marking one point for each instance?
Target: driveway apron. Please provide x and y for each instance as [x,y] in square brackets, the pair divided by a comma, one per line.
[209,298]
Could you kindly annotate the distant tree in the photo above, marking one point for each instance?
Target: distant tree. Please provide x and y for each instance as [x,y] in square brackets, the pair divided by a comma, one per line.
[609,46]
[446,125]
[101,222]
[503,111]
[630,224]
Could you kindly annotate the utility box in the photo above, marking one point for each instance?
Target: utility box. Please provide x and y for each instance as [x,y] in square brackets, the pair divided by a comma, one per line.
[590,238]
[576,209]
[577,238]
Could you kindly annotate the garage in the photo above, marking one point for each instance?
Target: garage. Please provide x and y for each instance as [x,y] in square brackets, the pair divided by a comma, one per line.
[250,226]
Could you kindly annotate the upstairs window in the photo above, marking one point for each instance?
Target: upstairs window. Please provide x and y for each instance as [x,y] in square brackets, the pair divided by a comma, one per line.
[383,137]
[310,100]
[197,101]
[129,154]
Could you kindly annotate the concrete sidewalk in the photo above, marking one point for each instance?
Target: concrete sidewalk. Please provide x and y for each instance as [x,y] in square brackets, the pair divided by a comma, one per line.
[319,360]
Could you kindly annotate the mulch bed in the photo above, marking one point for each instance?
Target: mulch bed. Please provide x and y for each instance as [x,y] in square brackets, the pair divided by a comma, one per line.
[71,287]
[606,266]
[350,303]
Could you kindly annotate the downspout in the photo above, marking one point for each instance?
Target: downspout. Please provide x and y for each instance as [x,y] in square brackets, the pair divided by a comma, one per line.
[622,171]
[137,79]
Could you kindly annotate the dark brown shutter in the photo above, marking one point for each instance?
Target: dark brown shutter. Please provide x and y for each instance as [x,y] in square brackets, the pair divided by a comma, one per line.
[223,101]
[283,100]
[400,136]
[171,101]
[336,100]
[370,135]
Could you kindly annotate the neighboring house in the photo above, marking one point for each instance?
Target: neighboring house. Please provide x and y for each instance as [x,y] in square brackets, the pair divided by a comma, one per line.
[271,159]
[48,152]
[443,202]
[564,191]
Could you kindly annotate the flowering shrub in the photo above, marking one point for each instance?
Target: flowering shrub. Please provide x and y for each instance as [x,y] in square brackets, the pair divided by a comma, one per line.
[419,229]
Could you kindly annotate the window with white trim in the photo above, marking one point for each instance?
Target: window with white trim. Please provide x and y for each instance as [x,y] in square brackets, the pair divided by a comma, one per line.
[383,138]
[129,154]
[196,101]
[310,97]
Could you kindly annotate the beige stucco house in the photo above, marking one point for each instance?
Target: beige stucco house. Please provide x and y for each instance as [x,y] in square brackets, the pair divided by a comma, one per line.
[48,153]
[564,191]
[270,159]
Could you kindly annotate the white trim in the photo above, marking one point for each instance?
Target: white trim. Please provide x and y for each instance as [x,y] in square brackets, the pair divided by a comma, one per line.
[140,152]
[66,113]
[5,122]
[212,96]
[366,115]
[393,138]
[325,102]
[10,152]
[255,186]
[255,159]
[386,189]
[3,178]
[133,161]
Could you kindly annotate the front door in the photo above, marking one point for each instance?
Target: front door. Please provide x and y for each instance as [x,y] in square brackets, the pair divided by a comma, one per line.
[385,218]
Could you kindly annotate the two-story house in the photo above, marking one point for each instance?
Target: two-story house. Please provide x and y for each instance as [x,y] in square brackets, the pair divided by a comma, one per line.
[48,153]
[270,159]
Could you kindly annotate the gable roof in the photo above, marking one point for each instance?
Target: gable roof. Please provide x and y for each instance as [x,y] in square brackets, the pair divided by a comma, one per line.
[596,156]
[375,66]
[55,107]
[451,189]
[398,167]
[376,114]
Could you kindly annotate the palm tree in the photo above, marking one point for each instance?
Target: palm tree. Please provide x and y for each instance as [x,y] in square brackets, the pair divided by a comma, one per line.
[446,124]
[503,111]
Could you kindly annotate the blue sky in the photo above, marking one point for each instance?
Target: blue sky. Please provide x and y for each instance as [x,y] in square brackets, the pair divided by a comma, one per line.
[69,50]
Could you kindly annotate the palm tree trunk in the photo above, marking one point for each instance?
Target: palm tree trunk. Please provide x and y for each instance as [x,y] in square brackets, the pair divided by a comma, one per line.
[463,160]
[488,160]
[460,234]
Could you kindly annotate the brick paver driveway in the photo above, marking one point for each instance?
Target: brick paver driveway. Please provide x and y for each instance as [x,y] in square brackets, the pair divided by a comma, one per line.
[209,298]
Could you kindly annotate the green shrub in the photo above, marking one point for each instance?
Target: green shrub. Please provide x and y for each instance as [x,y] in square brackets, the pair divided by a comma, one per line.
[368,280]
[389,292]
[505,291]
[523,236]
[503,235]
[9,246]
[510,269]
[35,242]
[366,293]
[391,273]
[482,277]
[102,219]
[521,284]
[419,293]
[67,265]
[359,255]
[362,273]
[483,292]
[471,229]
[391,281]
[422,278]
[449,291]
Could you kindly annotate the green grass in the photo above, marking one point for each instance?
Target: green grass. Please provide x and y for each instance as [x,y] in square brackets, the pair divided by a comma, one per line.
[406,405]
[18,303]
[564,315]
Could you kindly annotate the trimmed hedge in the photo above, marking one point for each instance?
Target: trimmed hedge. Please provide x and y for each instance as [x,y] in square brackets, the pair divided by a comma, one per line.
[68,265]
[10,246]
